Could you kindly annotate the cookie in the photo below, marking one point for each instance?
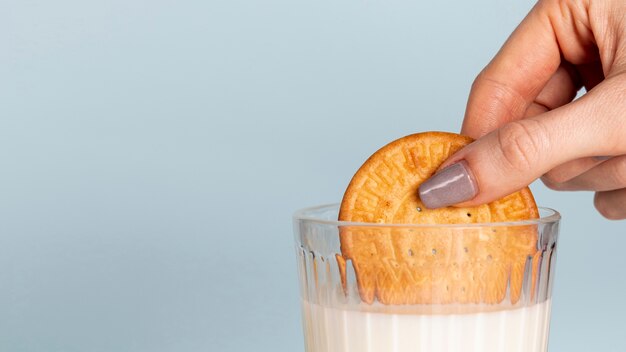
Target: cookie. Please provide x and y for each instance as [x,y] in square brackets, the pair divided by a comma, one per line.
[438,264]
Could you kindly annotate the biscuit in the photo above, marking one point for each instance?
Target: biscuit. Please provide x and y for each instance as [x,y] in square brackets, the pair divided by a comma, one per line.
[439,264]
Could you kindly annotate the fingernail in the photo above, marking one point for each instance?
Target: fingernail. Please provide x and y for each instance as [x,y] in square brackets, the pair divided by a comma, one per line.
[452,185]
[602,157]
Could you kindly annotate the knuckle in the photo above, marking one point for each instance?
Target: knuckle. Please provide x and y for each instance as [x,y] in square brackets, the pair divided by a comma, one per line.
[520,144]
[502,97]
[478,80]
[554,177]
[551,182]
[563,3]
[603,206]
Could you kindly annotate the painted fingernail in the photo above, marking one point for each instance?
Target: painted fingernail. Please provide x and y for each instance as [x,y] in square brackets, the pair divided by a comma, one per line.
[452,185]
[602,157]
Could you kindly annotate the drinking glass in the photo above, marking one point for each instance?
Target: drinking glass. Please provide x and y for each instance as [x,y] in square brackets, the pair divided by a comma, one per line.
[425,288]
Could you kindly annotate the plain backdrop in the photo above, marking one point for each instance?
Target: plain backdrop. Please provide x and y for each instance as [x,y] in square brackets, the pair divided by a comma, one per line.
[152,154]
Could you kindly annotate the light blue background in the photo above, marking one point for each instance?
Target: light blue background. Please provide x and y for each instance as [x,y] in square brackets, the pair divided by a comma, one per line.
[152,153]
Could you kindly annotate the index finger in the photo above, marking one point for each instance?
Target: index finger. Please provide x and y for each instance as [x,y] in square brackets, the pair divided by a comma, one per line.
[512,80]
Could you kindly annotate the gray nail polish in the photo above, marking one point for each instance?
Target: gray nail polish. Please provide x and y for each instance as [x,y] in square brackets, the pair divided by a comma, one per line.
[449,186]
[602,157]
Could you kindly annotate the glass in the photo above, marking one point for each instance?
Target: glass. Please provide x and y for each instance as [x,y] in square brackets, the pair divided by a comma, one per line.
[429,288]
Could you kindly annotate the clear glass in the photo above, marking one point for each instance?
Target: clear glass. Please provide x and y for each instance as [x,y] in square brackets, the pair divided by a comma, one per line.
[430,287]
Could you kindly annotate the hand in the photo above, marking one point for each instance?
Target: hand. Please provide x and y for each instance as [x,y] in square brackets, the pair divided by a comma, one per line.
[521,110]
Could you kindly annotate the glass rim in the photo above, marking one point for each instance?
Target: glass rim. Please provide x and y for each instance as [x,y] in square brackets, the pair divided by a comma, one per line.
[552,216]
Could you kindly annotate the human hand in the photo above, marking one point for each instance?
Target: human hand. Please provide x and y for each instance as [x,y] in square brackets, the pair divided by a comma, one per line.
[521,110]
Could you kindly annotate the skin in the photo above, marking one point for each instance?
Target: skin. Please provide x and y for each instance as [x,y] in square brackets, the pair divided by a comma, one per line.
[521,112]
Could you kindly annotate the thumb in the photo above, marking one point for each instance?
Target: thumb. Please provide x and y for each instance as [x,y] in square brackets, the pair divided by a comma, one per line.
[508,159]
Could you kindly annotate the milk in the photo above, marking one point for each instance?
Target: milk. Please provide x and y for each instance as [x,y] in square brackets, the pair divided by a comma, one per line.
[367,329]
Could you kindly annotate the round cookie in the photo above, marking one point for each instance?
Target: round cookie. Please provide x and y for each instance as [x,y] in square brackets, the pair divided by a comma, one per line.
[429,265]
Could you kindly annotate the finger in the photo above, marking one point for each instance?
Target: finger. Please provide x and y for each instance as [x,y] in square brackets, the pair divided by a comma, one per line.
[588,75]
[611,204]
[607,176]
[569,170]
[503,91]
[560,90]
[513,156]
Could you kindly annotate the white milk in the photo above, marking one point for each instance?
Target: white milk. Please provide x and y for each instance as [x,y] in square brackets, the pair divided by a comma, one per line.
[329,329]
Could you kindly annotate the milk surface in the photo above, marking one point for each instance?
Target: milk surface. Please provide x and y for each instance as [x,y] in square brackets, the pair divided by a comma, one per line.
[329,329]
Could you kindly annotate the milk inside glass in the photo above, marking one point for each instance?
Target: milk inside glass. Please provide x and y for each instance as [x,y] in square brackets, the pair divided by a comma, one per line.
[329,329]
[335,317]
